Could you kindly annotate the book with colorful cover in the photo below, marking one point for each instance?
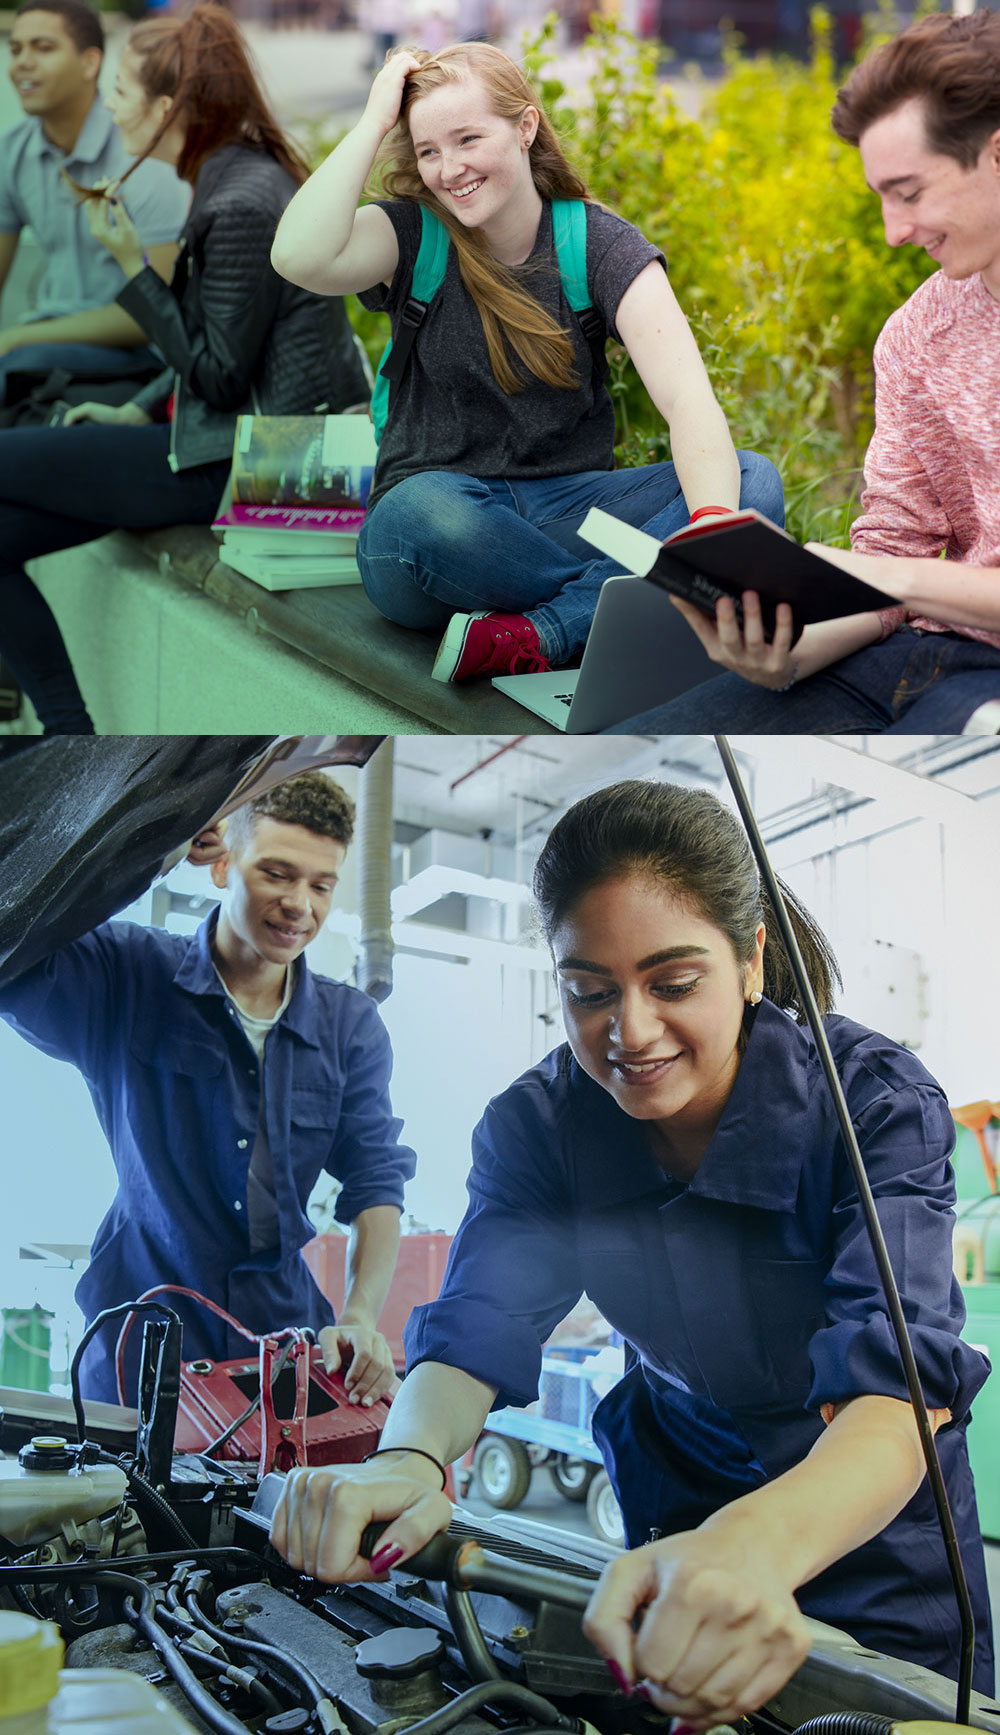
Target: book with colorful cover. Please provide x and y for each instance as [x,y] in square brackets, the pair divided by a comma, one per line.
[292,527]
[303,461]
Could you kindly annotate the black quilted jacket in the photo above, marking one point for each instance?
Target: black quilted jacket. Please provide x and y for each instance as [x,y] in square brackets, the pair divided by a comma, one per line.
[236,337]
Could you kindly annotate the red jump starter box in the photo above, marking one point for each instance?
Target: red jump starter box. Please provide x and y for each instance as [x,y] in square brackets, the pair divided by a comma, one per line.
[302,1414]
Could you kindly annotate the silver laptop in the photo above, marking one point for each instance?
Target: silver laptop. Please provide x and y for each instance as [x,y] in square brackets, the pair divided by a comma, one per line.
[640,652]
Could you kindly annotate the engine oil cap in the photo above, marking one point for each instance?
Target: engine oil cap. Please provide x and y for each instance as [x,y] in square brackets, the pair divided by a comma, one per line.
[47,1452]
[399,1653]
[31,1655]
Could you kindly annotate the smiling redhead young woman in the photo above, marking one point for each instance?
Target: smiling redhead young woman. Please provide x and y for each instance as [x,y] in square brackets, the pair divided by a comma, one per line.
[500,432]
[679,1159]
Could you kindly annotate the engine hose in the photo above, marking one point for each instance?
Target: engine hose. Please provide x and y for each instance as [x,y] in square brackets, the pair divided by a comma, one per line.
[315,1693]
[179,1622]
[141,1490]
[847,1723]
[139,1606]
[25,1603]
[495,1693]
[468,1635]
[250,1683]
[238,1562]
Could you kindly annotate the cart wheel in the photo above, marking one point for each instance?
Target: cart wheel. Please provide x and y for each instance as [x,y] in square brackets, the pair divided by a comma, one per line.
[572,1476]
[503,1470]
[603,1510]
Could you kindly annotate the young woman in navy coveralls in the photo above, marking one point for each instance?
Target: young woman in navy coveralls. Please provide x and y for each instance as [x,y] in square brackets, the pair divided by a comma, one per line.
[680,1159]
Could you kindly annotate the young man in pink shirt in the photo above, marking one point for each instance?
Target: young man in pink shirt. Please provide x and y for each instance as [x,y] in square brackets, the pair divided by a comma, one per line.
[924,111]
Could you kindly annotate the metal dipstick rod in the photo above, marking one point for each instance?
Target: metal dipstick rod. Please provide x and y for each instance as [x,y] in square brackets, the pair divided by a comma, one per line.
[463,1563]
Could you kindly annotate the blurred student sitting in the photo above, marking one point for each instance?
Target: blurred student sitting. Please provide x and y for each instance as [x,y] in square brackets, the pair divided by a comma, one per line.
[56,50]
[236,337]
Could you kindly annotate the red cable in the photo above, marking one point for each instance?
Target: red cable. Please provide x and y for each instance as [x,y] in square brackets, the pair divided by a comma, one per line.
[193,1295]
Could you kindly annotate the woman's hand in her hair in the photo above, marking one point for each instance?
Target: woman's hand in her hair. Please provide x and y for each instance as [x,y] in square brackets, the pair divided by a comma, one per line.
[109,415]
[704,1637]
[385,98]
[111,224]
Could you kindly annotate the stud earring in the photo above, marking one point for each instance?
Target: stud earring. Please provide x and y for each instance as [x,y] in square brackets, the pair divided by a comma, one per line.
[756,997]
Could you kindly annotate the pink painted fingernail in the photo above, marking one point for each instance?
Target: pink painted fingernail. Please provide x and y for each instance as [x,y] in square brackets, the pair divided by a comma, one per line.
[386,1558]
[621,1679]
[679,1728]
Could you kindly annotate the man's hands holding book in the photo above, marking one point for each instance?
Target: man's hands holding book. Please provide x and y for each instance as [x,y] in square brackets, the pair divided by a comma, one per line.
[744,650]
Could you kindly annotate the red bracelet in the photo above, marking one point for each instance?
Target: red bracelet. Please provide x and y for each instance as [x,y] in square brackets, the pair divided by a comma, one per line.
[708,511]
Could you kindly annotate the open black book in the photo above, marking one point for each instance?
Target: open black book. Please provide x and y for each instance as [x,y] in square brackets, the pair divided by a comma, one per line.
[726,556]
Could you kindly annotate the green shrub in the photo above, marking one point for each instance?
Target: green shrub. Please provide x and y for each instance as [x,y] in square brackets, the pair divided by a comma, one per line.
[774,245]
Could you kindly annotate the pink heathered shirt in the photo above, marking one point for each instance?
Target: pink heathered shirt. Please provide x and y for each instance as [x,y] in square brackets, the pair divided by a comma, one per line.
[932,471]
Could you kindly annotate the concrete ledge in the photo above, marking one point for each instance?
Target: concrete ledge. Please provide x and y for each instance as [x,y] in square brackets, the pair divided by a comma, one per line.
[165,637]
[341,630]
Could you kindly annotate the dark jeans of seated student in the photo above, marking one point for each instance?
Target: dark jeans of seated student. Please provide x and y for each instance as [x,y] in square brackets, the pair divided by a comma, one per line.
[60,487]
[915,683]
[89,360]
[440,543]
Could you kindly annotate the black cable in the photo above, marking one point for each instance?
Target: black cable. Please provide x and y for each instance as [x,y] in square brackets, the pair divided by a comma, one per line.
[234,1560]
[870,1212]
[119,1520]
[280,1660]
[469,1635]
[494,1693]
[143,1491]
[184,1630]
[91,1332]
[254,1405]
[239,1677]
[25,1603]
[139,1606]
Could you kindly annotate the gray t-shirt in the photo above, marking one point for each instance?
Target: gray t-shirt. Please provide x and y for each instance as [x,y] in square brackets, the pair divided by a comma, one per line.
[449,413]
[80,273]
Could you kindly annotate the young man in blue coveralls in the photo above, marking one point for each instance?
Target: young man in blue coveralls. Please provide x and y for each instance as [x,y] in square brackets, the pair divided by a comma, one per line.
[226,1077]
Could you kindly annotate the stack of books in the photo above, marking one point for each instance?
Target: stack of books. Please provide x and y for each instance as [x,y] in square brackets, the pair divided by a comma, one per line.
[296,499]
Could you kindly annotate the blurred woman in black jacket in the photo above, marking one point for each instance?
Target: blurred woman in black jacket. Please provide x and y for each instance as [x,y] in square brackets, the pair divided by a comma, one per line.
[235,338]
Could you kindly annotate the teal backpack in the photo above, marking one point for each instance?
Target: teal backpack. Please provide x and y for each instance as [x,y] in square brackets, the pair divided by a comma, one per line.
[569,231]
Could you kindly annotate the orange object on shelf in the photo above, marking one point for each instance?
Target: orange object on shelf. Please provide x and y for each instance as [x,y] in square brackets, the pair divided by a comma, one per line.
[976,1117]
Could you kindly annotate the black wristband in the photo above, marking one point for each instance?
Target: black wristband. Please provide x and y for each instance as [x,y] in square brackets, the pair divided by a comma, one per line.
[419,1452]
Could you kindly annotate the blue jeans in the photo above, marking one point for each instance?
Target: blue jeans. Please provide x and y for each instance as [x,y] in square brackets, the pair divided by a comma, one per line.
[914,683]
[94,360]
[441,542]
[60,487]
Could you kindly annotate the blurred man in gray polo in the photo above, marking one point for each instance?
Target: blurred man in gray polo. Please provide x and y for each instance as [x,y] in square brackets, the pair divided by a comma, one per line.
[56,49]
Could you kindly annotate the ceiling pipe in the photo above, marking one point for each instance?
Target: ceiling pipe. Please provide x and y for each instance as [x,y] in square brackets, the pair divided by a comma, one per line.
[374,971]
[508,748]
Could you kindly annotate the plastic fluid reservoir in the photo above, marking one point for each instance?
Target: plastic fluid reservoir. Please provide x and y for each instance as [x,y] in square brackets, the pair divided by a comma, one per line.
[39,1698]
[42,1488]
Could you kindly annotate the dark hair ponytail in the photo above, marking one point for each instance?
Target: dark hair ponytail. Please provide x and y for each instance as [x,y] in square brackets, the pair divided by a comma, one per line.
[202,61]
[821,965]
[689,841]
